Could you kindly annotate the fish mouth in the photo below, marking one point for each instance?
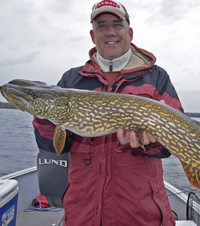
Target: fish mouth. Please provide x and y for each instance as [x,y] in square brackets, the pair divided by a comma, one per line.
[16,96]
[16,93]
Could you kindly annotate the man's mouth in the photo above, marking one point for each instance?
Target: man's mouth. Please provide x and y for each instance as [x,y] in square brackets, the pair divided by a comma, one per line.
[114,42]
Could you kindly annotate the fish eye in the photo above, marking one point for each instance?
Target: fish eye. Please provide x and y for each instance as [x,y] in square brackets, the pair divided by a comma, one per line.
[34,95]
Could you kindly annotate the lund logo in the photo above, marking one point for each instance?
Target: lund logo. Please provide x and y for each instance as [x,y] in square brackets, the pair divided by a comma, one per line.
[62,163]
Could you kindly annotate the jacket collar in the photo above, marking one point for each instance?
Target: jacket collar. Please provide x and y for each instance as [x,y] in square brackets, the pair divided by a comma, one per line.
[140,59]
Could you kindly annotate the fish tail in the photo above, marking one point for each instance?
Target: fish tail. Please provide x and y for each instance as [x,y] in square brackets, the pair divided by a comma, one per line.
[192,173]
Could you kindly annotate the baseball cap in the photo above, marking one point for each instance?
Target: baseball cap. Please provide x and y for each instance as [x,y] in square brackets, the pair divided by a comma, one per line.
[111,7]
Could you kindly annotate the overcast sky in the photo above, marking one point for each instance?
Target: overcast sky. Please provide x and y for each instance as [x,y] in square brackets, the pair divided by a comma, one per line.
[40,40]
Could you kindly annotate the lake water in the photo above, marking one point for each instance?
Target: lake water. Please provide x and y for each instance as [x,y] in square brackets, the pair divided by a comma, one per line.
[18,149]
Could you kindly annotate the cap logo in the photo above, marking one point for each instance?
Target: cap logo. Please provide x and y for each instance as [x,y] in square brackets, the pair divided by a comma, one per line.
[107,3]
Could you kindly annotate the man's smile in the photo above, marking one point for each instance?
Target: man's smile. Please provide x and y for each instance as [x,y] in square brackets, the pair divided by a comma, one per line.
[111,42]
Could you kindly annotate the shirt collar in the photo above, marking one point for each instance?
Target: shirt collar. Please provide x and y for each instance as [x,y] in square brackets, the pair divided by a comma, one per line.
[115,64]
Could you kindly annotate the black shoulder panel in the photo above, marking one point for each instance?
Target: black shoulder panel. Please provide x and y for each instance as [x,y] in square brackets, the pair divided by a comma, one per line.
[156,77]
[72,79]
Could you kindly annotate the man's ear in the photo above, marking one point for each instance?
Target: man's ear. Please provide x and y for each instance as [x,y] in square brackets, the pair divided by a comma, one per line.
[131,33]
[92,35]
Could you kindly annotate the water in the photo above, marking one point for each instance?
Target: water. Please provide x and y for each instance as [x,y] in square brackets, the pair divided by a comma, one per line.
[174,174]
[18,149]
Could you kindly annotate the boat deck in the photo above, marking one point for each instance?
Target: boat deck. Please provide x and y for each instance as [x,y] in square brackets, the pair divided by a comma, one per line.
[29,189]
[47,218]
[39,218]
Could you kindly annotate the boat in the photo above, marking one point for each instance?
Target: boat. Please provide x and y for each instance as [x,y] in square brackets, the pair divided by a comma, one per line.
[27,182]
[29,189]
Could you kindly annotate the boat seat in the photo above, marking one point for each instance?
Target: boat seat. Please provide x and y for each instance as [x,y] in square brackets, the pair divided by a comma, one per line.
[52,172]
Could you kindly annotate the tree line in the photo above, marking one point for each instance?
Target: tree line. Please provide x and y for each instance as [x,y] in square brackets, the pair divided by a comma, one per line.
[7,105]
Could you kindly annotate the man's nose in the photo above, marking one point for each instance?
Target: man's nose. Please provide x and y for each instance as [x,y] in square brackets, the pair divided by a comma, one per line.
[110,31]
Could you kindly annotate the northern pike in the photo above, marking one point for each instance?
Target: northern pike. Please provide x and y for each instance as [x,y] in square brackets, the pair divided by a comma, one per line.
[95,113]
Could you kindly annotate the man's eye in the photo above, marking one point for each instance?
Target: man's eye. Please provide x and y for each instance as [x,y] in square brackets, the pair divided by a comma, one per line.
[101,26]
[118,25]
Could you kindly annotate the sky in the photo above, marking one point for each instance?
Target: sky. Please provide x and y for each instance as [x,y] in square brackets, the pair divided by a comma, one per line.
[40,40]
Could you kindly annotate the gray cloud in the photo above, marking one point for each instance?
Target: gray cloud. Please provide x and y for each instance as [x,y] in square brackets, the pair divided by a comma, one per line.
[61,7]
[170,10]
[189,100]
[28,58]
[167,12]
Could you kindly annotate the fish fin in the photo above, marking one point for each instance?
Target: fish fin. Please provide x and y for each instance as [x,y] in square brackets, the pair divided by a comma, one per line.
[192,173]
[59,139]
[140,138]
[23,82]
[197,122]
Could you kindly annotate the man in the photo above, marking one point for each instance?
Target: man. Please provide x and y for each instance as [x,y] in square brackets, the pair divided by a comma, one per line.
[112,180]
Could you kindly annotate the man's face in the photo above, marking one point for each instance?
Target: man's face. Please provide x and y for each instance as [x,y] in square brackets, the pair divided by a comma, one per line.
[111,35]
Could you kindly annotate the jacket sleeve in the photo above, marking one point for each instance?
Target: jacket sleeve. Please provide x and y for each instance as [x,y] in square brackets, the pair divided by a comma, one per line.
[165,90]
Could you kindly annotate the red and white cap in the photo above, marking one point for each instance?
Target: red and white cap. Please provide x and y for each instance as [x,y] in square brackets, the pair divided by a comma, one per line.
[110,7]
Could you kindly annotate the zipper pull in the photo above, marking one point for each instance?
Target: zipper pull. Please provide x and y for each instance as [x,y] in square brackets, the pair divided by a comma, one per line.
[111,66]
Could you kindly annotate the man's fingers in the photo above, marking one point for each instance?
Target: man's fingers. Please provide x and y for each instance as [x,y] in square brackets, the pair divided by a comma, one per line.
[133,140]
[123,136]
[152,138]
[126,137]
[148,138]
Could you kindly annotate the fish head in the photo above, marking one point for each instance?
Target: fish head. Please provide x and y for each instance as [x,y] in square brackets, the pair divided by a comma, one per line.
[37,98]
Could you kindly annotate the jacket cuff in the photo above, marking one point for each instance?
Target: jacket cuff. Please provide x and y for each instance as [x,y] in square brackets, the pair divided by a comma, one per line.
[154,150]
[45,127]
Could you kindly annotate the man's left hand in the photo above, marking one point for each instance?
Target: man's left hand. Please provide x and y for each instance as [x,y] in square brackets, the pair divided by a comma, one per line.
[126,137]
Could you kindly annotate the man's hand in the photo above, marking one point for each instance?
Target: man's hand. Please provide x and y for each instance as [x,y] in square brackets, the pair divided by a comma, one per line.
[126,137]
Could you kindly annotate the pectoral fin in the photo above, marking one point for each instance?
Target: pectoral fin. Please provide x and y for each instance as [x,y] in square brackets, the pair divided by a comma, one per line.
[59,139]
[192,173]
[140,138]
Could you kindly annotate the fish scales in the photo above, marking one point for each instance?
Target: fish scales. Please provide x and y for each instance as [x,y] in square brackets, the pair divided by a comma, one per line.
[105,112]
[93,113]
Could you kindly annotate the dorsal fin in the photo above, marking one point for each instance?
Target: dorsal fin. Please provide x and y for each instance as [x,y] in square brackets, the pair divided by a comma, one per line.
[140,138]
[197,122]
